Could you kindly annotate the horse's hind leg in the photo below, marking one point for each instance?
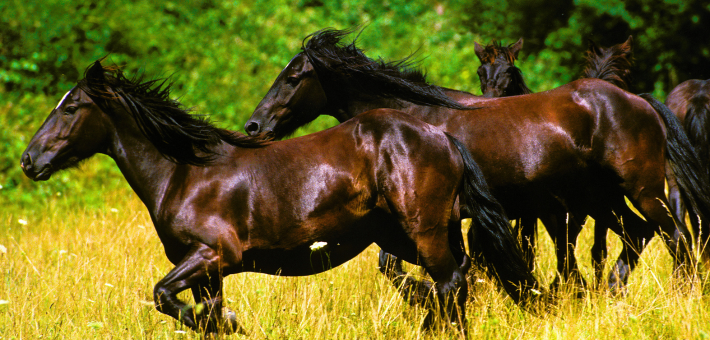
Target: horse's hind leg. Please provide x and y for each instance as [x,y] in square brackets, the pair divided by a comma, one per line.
[635,234]
[416,291]
[413,291]
[439,257]
[199,271]
[678,240]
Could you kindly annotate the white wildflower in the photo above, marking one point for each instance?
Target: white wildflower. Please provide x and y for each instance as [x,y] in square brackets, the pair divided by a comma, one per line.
[22,221]
[318,245]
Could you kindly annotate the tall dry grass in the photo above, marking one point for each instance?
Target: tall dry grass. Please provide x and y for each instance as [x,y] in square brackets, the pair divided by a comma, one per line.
[73,273]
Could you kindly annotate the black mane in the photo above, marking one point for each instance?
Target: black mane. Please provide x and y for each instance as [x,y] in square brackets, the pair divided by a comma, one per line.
[518,85]
[611,64]
[177,134]
[347,65]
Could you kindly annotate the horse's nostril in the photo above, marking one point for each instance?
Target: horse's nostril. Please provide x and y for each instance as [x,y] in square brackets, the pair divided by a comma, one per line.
[26,161]
[252,127]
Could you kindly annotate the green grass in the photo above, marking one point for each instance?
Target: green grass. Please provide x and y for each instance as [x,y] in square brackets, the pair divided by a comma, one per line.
[70,272]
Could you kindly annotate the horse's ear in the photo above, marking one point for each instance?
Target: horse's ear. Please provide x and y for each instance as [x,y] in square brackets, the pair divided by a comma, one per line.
[95,73]
[627,46]
[480,52]
[515,48]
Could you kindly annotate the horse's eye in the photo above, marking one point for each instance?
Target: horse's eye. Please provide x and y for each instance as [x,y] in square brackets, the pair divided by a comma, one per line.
[70,110]
[292,80]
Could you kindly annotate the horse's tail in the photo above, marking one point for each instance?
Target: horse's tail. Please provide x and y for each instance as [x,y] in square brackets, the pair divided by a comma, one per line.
[490,234]
[611,64]
[697,125]
[687,168]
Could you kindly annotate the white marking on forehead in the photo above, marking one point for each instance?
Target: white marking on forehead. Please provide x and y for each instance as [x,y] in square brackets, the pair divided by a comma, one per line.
[62,101]
[289,63]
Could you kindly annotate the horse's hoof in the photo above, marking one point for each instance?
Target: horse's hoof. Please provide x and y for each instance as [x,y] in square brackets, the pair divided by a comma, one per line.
[389,265]
[230,322]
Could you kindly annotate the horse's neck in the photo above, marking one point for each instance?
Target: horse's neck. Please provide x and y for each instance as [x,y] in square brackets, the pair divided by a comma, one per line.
[357,105]
[145,169]
[435,115]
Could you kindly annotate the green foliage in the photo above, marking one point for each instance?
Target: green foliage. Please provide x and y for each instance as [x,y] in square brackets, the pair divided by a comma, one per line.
[223,55]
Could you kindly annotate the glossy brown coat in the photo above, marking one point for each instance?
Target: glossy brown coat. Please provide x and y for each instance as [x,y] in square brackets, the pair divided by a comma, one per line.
[581,147]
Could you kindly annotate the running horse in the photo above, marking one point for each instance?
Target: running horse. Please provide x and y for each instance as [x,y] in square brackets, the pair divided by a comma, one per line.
[690,101]
[224,203]
[583,146]
[501,79]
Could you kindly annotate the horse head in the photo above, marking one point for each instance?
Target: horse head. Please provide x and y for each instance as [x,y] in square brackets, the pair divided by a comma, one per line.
[295,98]
[75,130]
[498,74]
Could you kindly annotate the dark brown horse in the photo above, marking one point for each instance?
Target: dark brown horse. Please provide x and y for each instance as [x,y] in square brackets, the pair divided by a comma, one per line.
[690,101]
[223,203]
[500,77]
[611,64]
[498,74]
[581,147]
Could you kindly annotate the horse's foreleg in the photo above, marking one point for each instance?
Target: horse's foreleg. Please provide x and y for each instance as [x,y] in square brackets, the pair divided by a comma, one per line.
[199,270]
[527,229]
[208,296]
[599,248]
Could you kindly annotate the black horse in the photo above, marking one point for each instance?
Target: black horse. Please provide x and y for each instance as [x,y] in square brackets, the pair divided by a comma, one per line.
[224,203]
[498,74]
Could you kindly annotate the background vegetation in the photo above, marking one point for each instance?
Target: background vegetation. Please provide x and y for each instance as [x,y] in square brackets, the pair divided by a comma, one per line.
[223,56]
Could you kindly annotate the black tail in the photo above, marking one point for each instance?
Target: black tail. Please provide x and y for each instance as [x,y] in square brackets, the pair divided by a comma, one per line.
[697,125]
[686,166]
[490,233]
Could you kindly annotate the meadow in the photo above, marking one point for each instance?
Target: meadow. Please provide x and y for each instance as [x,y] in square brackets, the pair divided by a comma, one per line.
[79,255]
[77,272]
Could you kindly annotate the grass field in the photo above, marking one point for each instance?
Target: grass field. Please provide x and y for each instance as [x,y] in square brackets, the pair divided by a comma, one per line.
[71,272]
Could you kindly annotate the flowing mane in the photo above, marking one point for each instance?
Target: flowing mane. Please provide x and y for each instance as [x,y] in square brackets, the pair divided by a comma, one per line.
[387,79]
[179,135]
[611,64]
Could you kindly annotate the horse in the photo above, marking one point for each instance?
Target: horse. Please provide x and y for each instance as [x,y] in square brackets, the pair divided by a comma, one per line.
[613,65]
[498,74]
[585,145]
[224,203]
[499,77]
[690,102]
